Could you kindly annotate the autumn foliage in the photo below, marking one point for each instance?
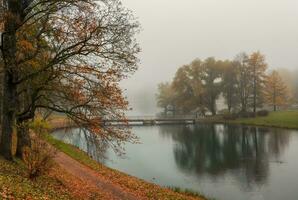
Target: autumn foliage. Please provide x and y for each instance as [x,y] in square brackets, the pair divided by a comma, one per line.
[276,93]
[68,57]
[243,83]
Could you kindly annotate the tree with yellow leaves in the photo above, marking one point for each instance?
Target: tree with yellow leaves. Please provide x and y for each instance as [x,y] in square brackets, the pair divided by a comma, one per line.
[257,66]
[275,91]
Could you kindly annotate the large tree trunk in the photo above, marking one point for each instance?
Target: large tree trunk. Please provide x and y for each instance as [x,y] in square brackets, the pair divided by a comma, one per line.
[8,116]
[9,102]
[23,138]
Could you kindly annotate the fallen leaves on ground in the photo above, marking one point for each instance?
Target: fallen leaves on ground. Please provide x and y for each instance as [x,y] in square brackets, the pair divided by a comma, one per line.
[57,185]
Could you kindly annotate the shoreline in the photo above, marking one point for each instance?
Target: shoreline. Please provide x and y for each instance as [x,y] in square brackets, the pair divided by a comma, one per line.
[134,185]
[280,119]
[147,190]
[228,122]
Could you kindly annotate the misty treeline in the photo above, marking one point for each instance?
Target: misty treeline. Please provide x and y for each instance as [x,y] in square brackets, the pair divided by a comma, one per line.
[245,84]
[67,57]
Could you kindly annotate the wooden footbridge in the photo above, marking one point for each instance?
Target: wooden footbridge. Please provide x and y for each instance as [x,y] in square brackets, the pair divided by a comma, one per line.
[153,120]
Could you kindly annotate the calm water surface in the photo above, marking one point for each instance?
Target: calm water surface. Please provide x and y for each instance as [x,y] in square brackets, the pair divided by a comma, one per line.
[226,162]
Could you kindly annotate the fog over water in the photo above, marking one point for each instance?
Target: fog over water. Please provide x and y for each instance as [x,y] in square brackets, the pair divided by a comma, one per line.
[176,32]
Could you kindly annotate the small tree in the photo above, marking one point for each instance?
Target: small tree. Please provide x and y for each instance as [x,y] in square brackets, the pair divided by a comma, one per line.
[275,91]
[258,67]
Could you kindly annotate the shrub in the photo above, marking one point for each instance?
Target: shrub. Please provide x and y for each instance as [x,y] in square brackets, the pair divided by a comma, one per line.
[230,116]
[247,114]
[38,158]
[39,126]
[223,112]
[263,113]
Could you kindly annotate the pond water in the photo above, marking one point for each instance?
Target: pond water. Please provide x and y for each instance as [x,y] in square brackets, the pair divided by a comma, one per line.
[225,162]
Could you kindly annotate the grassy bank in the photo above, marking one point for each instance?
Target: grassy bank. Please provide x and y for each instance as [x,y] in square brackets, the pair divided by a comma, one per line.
[59,184]
[132,184]
[280,119]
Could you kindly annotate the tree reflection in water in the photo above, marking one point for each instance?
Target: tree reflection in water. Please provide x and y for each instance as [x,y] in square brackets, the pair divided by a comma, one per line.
[215,150]
[90,143]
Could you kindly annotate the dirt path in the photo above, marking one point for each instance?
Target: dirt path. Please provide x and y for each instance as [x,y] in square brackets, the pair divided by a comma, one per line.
[91,177]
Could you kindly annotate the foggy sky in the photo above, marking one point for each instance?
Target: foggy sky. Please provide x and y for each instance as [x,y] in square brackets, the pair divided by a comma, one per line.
[175,32]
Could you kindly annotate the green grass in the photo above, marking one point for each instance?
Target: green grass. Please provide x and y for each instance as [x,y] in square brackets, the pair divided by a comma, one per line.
[189,192]
[14,184]
[72,151]
[280,119]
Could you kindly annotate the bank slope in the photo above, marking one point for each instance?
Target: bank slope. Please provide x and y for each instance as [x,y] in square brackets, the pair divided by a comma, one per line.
[128,183]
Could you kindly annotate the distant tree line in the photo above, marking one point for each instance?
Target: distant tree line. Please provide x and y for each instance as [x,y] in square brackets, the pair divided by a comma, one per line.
[245,84]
